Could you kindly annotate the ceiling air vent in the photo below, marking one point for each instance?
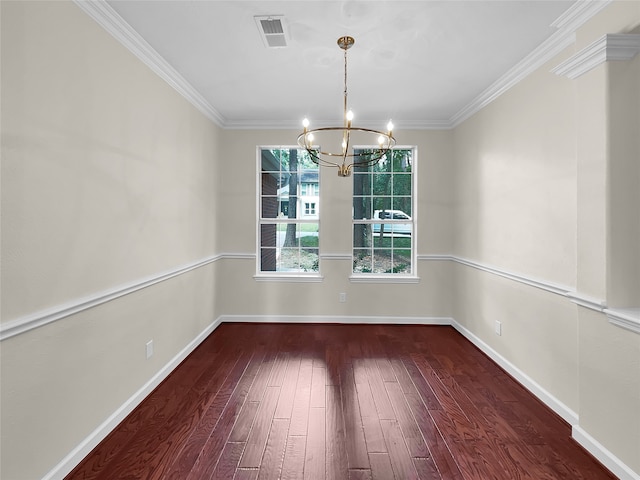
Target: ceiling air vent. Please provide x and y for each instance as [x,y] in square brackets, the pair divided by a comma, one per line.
[272,30]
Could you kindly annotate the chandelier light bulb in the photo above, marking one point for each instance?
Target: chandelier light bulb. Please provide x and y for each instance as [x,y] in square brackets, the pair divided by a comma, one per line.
[349,157]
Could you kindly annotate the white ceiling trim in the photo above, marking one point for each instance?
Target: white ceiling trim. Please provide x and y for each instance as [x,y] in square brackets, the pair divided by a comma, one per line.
[291,125]
[608,47]
[567,24]
[108,18]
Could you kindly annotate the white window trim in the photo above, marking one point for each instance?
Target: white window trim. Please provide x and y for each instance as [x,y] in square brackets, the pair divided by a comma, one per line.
[267,276]
[395,277]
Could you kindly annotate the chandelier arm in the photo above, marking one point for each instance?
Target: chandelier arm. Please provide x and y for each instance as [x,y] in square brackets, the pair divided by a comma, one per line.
[385,140]
[390,141]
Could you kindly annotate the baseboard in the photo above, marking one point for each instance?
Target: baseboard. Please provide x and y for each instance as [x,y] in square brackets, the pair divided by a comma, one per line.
[552,402]
[337,319]
[68,463]
[604,456]
[590,444]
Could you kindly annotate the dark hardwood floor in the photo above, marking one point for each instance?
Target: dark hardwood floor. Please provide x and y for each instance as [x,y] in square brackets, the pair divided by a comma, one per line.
[349,402]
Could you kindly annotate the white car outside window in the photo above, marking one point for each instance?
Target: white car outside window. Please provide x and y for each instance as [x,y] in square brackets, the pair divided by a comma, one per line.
[395,228]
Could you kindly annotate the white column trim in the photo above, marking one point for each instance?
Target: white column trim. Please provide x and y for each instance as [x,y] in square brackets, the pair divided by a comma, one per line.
[586,301]
[567,24]
[628,318]
[612,46]
[602,454]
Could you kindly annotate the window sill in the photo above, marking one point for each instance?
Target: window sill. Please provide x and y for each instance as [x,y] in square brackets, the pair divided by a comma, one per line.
[384,279]
[289,278]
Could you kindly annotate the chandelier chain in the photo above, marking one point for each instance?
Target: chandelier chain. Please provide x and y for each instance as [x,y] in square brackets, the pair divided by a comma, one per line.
[385,140]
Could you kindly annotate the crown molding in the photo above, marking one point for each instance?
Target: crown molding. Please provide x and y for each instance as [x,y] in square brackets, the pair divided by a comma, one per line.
[545,52]
[578,14]
[616,46]
[108,18]
[292,125]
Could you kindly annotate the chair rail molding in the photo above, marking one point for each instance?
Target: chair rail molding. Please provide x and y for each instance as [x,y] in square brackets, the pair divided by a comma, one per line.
[44,317]
[628,318]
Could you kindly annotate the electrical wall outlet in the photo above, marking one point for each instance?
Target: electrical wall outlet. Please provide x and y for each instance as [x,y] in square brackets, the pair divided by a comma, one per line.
[342,297]
[498,327]
[149,349]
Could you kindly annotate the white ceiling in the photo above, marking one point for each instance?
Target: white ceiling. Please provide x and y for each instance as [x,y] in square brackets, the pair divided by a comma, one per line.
[420,63]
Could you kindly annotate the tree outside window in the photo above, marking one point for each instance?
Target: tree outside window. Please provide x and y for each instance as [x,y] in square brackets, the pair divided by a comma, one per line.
[383,224]
[288,239]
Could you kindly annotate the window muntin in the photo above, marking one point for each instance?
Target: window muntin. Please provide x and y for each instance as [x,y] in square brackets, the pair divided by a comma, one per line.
[383,225]
[288,224]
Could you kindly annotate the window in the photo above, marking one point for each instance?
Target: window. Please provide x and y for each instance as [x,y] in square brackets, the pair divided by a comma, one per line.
[310,189]
[383,224]
[309,209]
[288,220]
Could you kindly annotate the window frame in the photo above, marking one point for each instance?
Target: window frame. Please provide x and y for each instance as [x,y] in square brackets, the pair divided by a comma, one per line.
[390,277]
[275,275]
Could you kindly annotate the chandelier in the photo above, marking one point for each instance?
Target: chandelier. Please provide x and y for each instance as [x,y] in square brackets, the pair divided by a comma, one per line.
[346,158]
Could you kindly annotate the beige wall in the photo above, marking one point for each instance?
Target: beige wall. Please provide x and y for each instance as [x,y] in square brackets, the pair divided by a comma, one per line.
[547,188]
[107,180]
[431,297]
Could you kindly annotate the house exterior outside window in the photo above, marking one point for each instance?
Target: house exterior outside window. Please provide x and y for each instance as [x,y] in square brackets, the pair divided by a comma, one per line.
[288,215]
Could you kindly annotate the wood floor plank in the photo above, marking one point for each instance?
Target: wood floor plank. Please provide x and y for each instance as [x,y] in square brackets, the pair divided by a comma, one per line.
[438,448]
[260,429]
[336,448]
[271,464]
[381,467]
[315,453]
[289,387]
[246,474]
[354,431]
[378,390]
[368,413]
[262,379]
[410,430]
[427,470]
[359,474]
[293,464]
[318,386]
[242,427]
[401,461]
[302,399]
[146,454]
[227,403]
[228,463]
[318,401]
